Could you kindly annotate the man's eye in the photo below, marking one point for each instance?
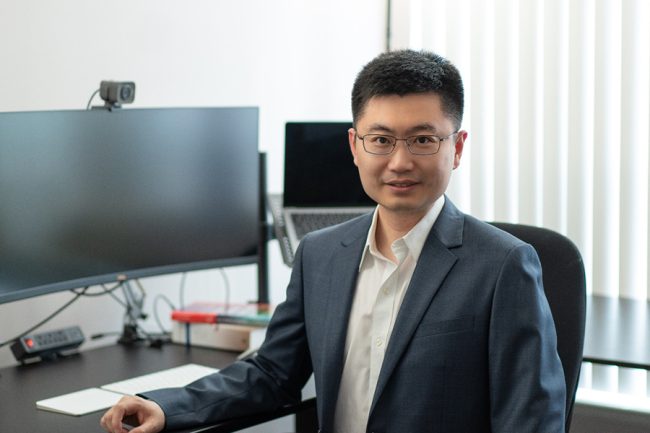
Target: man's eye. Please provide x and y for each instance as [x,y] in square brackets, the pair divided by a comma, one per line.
[424,139]
[380,140]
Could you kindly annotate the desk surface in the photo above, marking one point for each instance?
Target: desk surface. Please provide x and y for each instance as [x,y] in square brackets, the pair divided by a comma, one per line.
[22,386]
[618,332]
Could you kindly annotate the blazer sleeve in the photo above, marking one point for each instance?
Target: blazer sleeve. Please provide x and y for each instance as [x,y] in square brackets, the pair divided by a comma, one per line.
[273,378]
[528,391]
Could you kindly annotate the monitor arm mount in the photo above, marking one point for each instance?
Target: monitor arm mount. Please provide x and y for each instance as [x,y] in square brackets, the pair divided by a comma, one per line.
[134,302]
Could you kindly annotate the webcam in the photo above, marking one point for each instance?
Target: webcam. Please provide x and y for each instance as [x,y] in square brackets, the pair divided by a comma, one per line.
[116,93]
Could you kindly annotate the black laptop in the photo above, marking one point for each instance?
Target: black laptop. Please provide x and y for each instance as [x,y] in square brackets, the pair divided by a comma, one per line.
[321,182]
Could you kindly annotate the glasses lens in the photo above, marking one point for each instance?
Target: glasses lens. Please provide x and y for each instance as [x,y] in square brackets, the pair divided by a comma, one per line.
[423,144]
[378,144]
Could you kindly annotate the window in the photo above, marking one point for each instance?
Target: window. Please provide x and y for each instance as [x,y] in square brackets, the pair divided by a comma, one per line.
[558,114]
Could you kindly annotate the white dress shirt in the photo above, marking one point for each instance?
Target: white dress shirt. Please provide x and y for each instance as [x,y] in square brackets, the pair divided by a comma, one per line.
[381,286]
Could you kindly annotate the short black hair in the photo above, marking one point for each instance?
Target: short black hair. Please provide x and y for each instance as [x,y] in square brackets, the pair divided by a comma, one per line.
[403,72]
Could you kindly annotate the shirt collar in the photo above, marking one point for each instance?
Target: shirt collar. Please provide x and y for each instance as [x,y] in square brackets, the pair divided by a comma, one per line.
[413,240]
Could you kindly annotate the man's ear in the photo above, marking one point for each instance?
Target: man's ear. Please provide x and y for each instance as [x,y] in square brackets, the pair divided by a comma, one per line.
[352,139]
[459,145]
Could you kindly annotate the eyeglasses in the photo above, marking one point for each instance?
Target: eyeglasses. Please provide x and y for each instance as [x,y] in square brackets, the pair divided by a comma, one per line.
[381,144]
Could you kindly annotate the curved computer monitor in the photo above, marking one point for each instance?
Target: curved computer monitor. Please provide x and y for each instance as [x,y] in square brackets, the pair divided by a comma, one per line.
[90,197]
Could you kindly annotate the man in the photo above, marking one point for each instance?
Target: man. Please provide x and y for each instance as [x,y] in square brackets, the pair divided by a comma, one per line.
[413,319]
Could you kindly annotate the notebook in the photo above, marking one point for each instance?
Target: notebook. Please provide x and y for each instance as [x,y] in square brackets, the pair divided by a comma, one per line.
[321,183]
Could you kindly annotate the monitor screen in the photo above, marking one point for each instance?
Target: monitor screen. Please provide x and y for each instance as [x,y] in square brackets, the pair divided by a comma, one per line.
[90,197]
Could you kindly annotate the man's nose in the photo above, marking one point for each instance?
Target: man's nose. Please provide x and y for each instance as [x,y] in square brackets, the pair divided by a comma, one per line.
[401,158]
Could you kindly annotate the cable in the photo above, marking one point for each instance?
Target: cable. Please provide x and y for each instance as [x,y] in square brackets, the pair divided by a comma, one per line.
[137,283]
[91,99]
[155,310]
[112,295]
[181,292]
[104,334]
[226,286]
[48,318]
[103,292]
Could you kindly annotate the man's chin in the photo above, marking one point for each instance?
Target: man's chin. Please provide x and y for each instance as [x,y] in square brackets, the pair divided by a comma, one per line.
[406,209]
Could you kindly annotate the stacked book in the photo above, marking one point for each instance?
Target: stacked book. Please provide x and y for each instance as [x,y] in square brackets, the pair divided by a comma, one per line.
[237,327]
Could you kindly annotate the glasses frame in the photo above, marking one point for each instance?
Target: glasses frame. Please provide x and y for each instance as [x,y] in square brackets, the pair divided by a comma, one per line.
[405,140]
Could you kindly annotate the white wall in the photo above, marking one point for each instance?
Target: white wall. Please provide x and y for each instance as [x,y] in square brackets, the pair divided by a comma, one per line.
[296,60]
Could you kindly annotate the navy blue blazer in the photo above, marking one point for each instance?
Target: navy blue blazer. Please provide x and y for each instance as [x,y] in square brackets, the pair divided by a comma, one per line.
[473,348]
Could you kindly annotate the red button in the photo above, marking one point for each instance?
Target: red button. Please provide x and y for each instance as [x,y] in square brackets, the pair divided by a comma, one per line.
[29,342]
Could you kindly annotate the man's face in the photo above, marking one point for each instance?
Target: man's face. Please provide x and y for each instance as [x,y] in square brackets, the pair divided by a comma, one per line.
[403,183]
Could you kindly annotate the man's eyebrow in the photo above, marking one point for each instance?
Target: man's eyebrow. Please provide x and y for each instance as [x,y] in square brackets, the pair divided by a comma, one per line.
[417,129]
[423,127]
[378,128]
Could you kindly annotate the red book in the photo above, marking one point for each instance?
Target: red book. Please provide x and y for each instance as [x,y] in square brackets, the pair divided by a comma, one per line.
[213,312]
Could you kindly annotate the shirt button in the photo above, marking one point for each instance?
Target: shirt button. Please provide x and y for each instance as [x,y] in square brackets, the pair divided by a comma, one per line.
[379,342]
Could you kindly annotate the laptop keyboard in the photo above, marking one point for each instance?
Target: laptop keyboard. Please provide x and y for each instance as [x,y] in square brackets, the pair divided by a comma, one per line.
[308,222]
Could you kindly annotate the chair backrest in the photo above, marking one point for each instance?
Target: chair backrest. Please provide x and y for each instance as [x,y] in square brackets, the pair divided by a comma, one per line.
[563,275]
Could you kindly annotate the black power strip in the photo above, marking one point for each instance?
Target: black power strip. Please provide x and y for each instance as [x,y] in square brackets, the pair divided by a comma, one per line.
[47,345]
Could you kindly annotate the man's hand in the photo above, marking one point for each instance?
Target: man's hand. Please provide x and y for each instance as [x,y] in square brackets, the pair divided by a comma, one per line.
[147,414]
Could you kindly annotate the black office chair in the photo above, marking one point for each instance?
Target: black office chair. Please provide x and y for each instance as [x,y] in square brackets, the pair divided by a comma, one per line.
[563,274]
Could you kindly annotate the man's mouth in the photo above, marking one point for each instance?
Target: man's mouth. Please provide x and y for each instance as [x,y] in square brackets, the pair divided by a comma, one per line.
[405,183]
[401,182]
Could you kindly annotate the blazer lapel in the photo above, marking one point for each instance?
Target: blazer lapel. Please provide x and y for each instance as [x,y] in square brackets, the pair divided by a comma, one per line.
[343,270]
[435,262]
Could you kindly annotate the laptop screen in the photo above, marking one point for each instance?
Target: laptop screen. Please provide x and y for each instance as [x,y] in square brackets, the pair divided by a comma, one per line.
[318,167]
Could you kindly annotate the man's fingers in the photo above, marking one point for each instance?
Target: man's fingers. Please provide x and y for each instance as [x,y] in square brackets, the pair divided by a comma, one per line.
[112,419]
[147,427]
[131,411]
[119,411]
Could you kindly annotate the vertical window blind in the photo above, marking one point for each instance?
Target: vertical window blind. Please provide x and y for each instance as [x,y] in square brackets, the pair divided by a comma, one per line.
[558,114]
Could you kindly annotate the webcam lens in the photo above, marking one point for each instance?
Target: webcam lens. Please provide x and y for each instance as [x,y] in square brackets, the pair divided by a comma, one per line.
[125,93]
